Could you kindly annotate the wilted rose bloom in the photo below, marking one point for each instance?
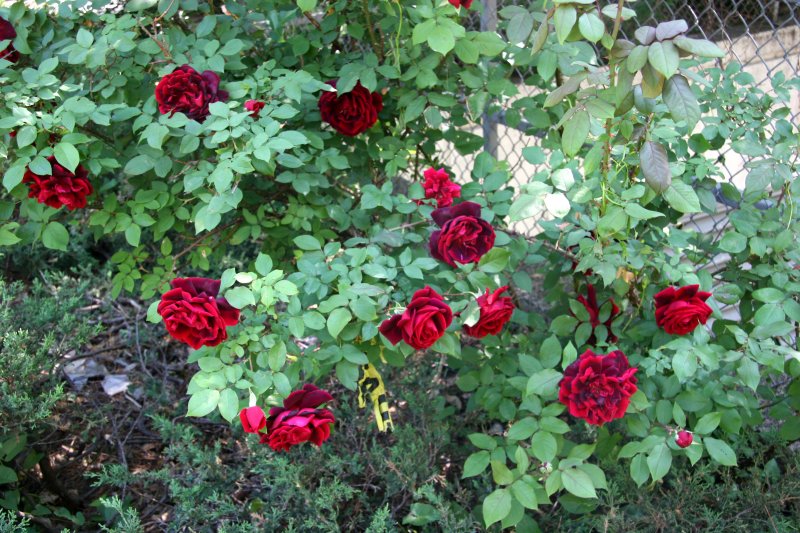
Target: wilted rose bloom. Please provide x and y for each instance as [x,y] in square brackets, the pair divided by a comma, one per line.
[61,187]
[464,236]
[7,32]
[496,311]
[187,91]
[680,311]
[255,107]
[194,313]
[423,322]
[598,388]
[253,419]
[684,439]
[590,303]
[350,113]
[299,420]
[438,187]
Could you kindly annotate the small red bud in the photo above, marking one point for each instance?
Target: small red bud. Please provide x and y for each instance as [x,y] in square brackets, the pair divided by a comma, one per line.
[683,439]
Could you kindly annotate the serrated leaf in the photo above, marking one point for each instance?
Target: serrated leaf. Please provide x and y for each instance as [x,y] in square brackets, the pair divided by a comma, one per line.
[496,506]
[681,101]
[67,155]
[670,29]
[228,404]
[55,236]
[203,402]
[682,197]
[578,483]
[337,320]
[564,20]
[664,58]
[591,27]
[576,131]
[720,451]
[659,461]
[699,47]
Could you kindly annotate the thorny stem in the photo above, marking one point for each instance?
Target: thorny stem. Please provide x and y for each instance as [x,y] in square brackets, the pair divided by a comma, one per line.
[376,44]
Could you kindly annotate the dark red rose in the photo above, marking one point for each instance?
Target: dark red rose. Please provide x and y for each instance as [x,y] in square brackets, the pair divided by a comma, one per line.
[496,310]
[598,388]
[187,91]
[590,303]
[254,106]
[195,314]
[253,419]
[464,236]
[422,323]
[299,420]
[684,439]
[350,113]
[679,311]
[7,32]
[61,187]
[439,187]
[461,3]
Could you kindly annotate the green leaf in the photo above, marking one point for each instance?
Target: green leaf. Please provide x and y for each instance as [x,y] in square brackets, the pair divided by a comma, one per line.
[639,212]
[7,475]
[203,402]
[501,474]
[522,429]
[306,5]
[228,404]
[55,236]
[524,494]
[441,40]
[733,242]
[664,57]
[707,423]
[769,295]
[544,446]
[699,47]
[637,59]
[337,320]
[576,131]
[578,482]
[476,463]
[133,234]
[482,441]
[307,242]
[496,506]
[639,471]
[67,155]
[659,460]
[543,383]
[682,197]
[655,166]
[681,101]
[495,260]
[564,20]
[720,451]
[684,364]
[240,297]
[591,27]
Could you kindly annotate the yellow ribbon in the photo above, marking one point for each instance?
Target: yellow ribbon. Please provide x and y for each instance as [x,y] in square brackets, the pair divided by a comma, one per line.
[371,385]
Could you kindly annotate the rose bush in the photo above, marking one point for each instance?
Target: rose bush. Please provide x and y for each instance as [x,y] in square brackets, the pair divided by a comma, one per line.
[282,224]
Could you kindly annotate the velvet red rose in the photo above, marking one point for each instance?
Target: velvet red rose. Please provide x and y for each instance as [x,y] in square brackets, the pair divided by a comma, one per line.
[7,32]
[438,187]
[195,314]
[61,187]
[299,420]
[255,107]
[496,311]
[590,303]
[187,91]
[464,236]
[350,113]
[423,323]
[253,419]
[598,388]
[461,3]
[681,310]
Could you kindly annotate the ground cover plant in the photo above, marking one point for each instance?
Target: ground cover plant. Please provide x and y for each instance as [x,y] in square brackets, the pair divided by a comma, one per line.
[325,327]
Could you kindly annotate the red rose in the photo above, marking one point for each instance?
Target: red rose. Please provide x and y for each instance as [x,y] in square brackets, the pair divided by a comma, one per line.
[350,113]
[684,439]
[255,106]
[423,323]
[194,314]
[299,420]
[253,419]
[61,187]
[187,91]
[461,3]
[598,388]
[439,187]
[7,32]
[590,303]
[495,312]
[464,236]
[680,311]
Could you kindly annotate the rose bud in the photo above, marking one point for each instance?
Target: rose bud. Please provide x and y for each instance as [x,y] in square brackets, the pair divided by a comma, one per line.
[253,419]
[684,439]
[255,107]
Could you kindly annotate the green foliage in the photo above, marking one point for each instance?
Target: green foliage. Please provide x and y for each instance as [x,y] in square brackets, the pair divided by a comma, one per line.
[316,237]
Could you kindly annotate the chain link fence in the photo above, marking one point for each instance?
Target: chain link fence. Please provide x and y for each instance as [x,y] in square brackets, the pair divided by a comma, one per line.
[761,35]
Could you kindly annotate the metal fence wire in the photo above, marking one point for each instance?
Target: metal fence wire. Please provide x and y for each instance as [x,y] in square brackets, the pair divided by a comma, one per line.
[761,35]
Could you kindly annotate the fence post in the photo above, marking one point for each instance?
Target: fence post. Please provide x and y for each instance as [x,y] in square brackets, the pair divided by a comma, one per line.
[489,121]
